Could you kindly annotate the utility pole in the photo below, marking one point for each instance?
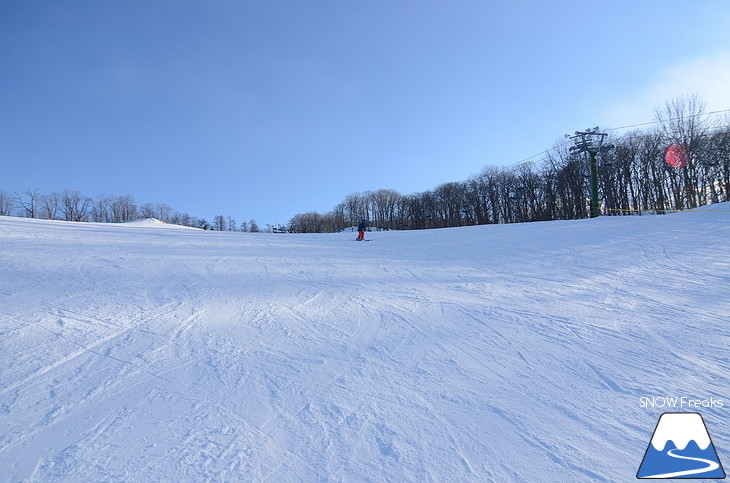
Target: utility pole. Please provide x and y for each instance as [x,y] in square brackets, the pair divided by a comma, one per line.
[591,141]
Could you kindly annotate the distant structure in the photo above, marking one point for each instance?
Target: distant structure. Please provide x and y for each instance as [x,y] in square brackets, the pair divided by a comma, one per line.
[591,141]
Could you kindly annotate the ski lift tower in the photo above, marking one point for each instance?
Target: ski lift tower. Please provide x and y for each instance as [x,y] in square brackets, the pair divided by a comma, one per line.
[591,141]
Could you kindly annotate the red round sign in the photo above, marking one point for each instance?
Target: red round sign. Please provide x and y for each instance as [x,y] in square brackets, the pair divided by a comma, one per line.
[676,156]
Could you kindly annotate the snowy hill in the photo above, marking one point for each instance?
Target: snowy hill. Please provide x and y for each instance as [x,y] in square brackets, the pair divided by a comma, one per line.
[492,353]
[155,223]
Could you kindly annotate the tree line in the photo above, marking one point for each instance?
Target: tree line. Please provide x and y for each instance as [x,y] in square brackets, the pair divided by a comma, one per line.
[633,177]
[70,205]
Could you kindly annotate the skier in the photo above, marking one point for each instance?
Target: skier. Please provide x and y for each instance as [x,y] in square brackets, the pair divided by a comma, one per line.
[361,230]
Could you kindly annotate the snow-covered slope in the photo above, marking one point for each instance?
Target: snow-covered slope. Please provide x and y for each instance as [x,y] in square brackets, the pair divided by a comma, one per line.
[494,353]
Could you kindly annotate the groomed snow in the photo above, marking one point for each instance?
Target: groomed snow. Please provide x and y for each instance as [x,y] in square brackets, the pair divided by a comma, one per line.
[492,353]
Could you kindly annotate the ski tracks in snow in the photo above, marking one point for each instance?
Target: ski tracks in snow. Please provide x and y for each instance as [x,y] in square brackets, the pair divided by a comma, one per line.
[463,357]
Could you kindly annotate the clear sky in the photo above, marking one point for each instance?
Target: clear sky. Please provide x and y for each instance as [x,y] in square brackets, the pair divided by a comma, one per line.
[264,109]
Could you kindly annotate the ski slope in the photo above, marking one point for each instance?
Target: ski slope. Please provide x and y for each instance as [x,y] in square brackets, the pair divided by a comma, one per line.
[492,353]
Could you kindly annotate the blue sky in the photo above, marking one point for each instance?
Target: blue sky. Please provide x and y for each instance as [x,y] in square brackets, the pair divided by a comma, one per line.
[265,109]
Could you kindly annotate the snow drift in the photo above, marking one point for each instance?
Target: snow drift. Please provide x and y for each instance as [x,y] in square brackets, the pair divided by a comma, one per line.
[492,353]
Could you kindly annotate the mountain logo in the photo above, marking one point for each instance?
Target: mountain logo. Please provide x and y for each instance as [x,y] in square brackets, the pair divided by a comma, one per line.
[681,448]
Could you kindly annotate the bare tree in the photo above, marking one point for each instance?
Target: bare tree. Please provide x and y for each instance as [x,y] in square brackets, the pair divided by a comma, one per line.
[382,207]
[163,212]
[682,122]
[28,202]
[122,208]
[147,210]
[450,198]
[719,160]
[306,223]
[338,217]
[219,223]
[183,219]
[100,210]
[6,204]
[75,206]
[159,211]
[49,205]
[355,208]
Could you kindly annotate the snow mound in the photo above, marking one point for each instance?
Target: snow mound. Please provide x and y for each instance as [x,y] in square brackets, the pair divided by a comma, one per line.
[153,223]
[146,222]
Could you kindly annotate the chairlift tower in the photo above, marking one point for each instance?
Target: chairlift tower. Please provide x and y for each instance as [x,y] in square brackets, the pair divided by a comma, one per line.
[591,141]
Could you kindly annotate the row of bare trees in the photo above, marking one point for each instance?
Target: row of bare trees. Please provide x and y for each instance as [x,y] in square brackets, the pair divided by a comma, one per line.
[68,205]
[223,223]
[633,177]
[71,205]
